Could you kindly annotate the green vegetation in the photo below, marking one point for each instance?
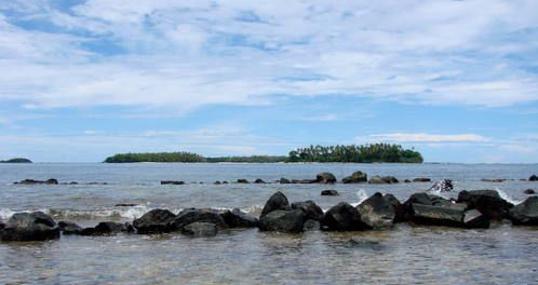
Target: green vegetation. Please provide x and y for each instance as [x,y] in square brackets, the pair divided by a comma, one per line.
[339,153]
[16,160]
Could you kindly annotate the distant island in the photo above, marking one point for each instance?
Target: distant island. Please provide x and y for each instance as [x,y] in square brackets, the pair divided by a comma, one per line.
[16,160]
[369,153]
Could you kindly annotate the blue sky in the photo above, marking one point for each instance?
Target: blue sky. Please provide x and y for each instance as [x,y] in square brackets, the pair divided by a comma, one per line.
[456,80]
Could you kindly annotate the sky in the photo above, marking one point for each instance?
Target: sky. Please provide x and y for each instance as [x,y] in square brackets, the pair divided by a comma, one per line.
[81,80]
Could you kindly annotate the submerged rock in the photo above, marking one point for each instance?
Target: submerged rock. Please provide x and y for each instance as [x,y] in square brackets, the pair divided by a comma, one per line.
[378,211]
[488,202]
[192,215]
[200,229]
[172,182]
[311,209]
[383,180]
[494,180]
[325,178]
[343,217]
[217,182]
[407,181]
[154,221]
[525,213]
[284,181]
[50,181]
[259,181]
[422,179]
[69,228]
[36,226]
[277,201]
[239,219]
[329,193]
[125,205]
[356,177]
[444,185]
[288,221]
[107,228]
[242,181]
[529,191]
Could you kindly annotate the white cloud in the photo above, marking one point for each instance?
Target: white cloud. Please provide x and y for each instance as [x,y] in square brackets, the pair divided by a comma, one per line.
[428,138]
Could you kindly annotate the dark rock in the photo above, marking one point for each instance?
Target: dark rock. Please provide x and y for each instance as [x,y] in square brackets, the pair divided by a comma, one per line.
[192,215]
[422,179]
[423,199]
[224,182]
[329,193]
[16,160]
[288,221]
[284,181]
[383,180]
[343,217]
[239,219]
[36,226]
[494,180]
[259,181]
[125,205]
[474,219]
[325,178]
[200,229]
[217,182]
[172,182]
[242,181]
[436,215]
[407,181]
[311,225]
[304,181]
[533,178]
[50,181]
[311,210]
[154,221]
[378,212]
[399,208]
[97,183]
[277,201]
[525,213]
[444,185]
[69,228]
[356,177]
[73,183]
[107,228]
[529,191]
[488,202]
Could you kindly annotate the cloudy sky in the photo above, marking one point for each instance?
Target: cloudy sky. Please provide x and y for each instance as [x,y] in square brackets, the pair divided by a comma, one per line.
[457,80]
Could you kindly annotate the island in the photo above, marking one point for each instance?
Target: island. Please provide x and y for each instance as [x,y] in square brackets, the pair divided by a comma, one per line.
[370,153]
[16,160]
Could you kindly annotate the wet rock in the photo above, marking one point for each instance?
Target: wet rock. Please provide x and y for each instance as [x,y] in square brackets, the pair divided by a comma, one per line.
[493,180]
[288,221]
[242,181]
[525,213]
[217,182]
[311,209]
[239,219]
[343,217]
[36,226]
[125,205]
[325,178]
[311,225]
[107,228]
[356,177]
[383,180]
[533,178]
[474,219]
[69,228]
[192,215]
[378,211]
[423,199]
[529,191]
[172,182]
[488,202]
[200,229]
[422,179]
[97,183]
[329,193]
[154,221]
[284,181]
[444,185]
[304,181]
[437,215]
[224,182]
[277,201]
[259,181]
[407,181]
[50,181]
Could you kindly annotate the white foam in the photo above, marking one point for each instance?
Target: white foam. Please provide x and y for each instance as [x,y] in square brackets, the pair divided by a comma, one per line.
[361,196]
[507,197]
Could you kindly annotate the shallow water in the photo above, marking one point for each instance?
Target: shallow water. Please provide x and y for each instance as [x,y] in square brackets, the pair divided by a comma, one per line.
[409,255]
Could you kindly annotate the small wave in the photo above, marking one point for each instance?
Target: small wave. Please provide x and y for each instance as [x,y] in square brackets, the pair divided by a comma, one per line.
[361,196]
[507,197]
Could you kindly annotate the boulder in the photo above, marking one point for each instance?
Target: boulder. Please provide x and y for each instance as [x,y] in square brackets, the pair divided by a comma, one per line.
[238,219]
[475,219]
[154,221]
[242,181]
[343,217]
[69,228]
[423,199]
[311,225]
[325,178]
[407,181]
[192,215]
[525,213]
[277,201]
[378,211]
[356,177]
[329,193]
[444,185]
[50,181]
[107,228]
[437,215]
[172,182]
[259,181]
[217,182]
[422,179]
[488,202]
[125,205]
[533,178]
[225,182]
[284,181]
[288,221]
[383,180]
[529,191]
[200,229]
[311,210]
[36,226]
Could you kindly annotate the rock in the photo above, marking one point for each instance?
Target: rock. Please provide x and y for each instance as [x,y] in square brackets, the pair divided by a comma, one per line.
[284,181]
[224,182]
[217,182]
[474,219]
[383,180]
[525,213]
[356,177]
[154,222]
[107,228]
[437,215]
[242,181]
[398,207]
[288,221]
[329,193]
[172,182]
[533,178]
[343,217]
[325,178]
[494,180]
[378,212]
[50,181]
[277,201]
[36,226]
[423,199]
[444,185]
[192,215]
[311,225]
[125,205]
[529,191]
[239,219]
[422,179]
[311,210]
[200,229]
[69,228]
[488,202]
[407,181]
[304,181]
[259,181]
